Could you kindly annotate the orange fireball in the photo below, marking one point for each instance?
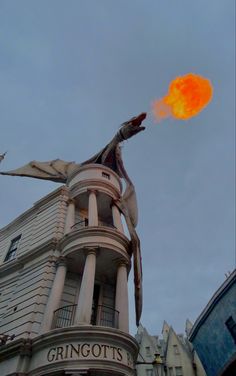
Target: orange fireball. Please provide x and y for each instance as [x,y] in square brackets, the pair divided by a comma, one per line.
[186,97]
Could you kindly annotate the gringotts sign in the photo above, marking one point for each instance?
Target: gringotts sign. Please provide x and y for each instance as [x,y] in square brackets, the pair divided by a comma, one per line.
[89,351]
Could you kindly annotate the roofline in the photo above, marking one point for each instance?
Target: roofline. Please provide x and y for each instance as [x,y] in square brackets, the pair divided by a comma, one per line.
[36,206]
[212,302]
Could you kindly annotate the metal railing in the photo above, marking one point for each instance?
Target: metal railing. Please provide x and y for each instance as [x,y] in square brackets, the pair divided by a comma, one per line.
[81,224]
[84,223]
[107,316]
[64,316]
[101,315]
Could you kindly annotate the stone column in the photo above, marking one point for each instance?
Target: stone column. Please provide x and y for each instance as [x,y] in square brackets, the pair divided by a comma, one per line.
[55,295]
[122,303]
[85,301]
[117,218]
[92,209]
[70,216]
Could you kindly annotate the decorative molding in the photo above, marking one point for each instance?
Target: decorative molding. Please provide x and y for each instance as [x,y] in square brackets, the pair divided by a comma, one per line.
[61,261]
[34,210]
[70,200]
[91,250]
[92,231]
[96,166]
[96,184]
[92,190]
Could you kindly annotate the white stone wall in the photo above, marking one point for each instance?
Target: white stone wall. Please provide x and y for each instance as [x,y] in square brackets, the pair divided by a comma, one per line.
[25,299]
[38,225]
[29,287]
[26,280]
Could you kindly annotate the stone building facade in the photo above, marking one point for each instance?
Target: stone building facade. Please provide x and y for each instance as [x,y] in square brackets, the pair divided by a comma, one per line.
[64,267]
[170,353]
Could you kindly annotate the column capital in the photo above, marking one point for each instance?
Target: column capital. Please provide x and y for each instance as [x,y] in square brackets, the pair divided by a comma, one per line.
[61,261]
[92,190]
[122,262]
[91,250]
[53,260]
[70,200]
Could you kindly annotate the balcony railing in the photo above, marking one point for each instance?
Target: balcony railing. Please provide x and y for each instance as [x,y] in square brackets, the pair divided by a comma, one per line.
[64,316]
[81,224]
[102,315]
[84,223]
[107,316]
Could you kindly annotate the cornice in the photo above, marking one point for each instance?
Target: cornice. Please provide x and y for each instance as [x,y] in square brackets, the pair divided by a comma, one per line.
[94,231]
[106,187]
[82,333]
[91,166]
[57,192]
[29,214]
[20,346]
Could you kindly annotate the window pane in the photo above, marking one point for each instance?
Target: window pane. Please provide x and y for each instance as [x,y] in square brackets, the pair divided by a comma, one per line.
[148,351]
[11,254]
[231,325]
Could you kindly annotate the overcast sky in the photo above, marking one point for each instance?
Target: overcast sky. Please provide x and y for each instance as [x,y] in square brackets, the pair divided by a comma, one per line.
[72,71]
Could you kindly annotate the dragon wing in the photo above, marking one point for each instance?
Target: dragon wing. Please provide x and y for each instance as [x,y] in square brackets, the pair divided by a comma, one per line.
[56,170]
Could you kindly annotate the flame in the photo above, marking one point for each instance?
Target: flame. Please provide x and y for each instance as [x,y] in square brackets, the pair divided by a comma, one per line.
[186,97]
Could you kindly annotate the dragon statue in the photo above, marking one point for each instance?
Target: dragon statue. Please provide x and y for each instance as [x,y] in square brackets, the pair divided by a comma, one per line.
[110,156]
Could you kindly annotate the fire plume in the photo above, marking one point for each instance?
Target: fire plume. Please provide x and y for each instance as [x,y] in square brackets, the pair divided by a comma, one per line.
[186,97]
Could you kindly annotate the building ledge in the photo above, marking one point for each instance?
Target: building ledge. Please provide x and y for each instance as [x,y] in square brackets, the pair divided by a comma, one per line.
[94,232]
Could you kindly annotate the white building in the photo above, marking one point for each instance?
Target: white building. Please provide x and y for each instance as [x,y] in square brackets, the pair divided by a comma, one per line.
[172,354]
[64,266]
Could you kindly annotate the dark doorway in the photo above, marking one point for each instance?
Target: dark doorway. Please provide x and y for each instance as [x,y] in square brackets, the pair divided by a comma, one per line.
[96,293]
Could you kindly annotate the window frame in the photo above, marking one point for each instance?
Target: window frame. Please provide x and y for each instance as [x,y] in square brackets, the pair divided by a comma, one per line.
[231,326]
[148,351]
[12,250]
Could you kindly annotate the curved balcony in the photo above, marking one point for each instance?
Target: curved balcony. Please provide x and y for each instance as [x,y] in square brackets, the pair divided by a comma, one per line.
[84,223]
[58,351]
[111,242]
[102,315]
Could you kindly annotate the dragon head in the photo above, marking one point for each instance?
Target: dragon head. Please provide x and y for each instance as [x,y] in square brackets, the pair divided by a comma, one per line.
[132,127]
